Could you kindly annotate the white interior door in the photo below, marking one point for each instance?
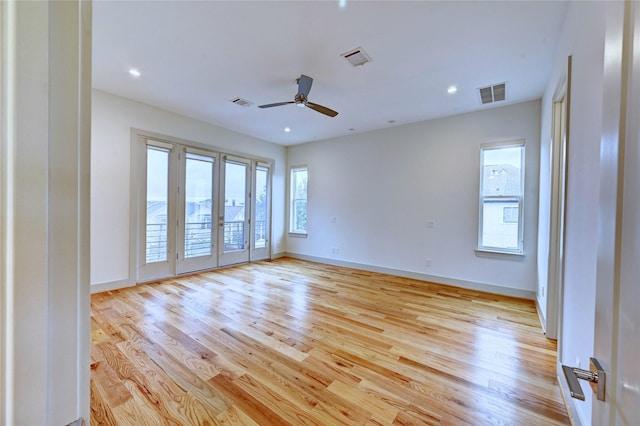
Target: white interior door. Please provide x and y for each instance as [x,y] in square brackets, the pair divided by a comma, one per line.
[261,212]
[196,231]
[617,329]
[235,212]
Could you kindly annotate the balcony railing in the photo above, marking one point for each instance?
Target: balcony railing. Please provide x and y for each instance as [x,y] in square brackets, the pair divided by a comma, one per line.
[156,242]
[234,236]
[261,234]
[197,239]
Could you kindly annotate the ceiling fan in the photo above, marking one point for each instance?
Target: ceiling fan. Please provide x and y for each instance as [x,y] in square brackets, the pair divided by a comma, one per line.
[304,86]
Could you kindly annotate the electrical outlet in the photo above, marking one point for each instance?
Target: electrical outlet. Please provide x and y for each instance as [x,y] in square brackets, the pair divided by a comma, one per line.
[332,219]
[335,250]
[427,263]
[431,224]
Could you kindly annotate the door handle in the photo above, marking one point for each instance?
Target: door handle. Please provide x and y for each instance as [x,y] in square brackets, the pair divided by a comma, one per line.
[595,376]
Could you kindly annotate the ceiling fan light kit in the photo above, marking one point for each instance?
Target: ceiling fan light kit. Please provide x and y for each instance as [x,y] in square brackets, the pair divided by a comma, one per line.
[300,99]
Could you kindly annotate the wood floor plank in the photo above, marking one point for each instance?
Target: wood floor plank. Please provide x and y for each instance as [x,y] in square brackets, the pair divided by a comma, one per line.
[101,413]
[290,342]
[235,416]
[256,410]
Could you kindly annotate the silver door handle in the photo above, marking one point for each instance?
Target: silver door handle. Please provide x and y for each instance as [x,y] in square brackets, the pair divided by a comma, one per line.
[595,376]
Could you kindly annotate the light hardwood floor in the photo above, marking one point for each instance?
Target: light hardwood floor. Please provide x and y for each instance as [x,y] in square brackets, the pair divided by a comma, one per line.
[294,342]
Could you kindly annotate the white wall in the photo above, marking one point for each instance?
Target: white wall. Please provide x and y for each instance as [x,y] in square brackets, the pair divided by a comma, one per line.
[113,118]
[384,186]
[583,38]
[44,212]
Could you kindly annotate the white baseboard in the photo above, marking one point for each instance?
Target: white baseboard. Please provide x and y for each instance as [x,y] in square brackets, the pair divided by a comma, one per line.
[112,285]
[470,285]
[279,255]
[543,320]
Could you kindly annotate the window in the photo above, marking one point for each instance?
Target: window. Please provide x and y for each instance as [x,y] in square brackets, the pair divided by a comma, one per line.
[298,191]
[501,197]
[510,214]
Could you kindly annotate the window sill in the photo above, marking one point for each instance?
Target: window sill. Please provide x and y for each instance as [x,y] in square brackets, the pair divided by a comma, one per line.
[504,255]
[297,235]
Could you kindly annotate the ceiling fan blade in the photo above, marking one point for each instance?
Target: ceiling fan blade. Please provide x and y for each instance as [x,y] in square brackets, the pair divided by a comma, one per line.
[322,109]
[304,85]
[276,104]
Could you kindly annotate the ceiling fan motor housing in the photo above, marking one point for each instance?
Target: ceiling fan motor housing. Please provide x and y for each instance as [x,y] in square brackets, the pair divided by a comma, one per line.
[300,100]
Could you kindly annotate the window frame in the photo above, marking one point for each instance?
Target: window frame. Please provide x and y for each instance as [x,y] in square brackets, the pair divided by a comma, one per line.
[292,200]
[519,199]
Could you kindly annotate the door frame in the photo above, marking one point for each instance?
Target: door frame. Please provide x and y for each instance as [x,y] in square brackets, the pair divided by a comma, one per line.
[559,172]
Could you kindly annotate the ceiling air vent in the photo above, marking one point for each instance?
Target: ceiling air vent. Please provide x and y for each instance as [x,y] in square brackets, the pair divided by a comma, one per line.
[495,93]
[242,102]
[357,57]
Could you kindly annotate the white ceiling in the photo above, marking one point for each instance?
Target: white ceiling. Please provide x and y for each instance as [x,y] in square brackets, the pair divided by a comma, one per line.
[196,56]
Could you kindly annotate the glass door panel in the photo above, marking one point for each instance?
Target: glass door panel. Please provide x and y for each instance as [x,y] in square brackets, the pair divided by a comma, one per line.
[261,228]
[157,204]
[235,211]
[197,204]
[157,236]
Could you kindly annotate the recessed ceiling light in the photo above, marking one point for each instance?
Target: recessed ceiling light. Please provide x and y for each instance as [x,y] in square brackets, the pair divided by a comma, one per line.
[287,129]
[452,89]
[134,72]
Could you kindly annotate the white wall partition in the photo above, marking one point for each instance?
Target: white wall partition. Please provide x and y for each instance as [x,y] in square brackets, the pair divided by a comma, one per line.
[583,39]
[405,199]
[45,89]
[113,119]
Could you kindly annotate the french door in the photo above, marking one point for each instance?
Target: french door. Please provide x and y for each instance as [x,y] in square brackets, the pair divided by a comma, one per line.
[199,209]
[261,211]
[234,218]
[196,231]
[157,214]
